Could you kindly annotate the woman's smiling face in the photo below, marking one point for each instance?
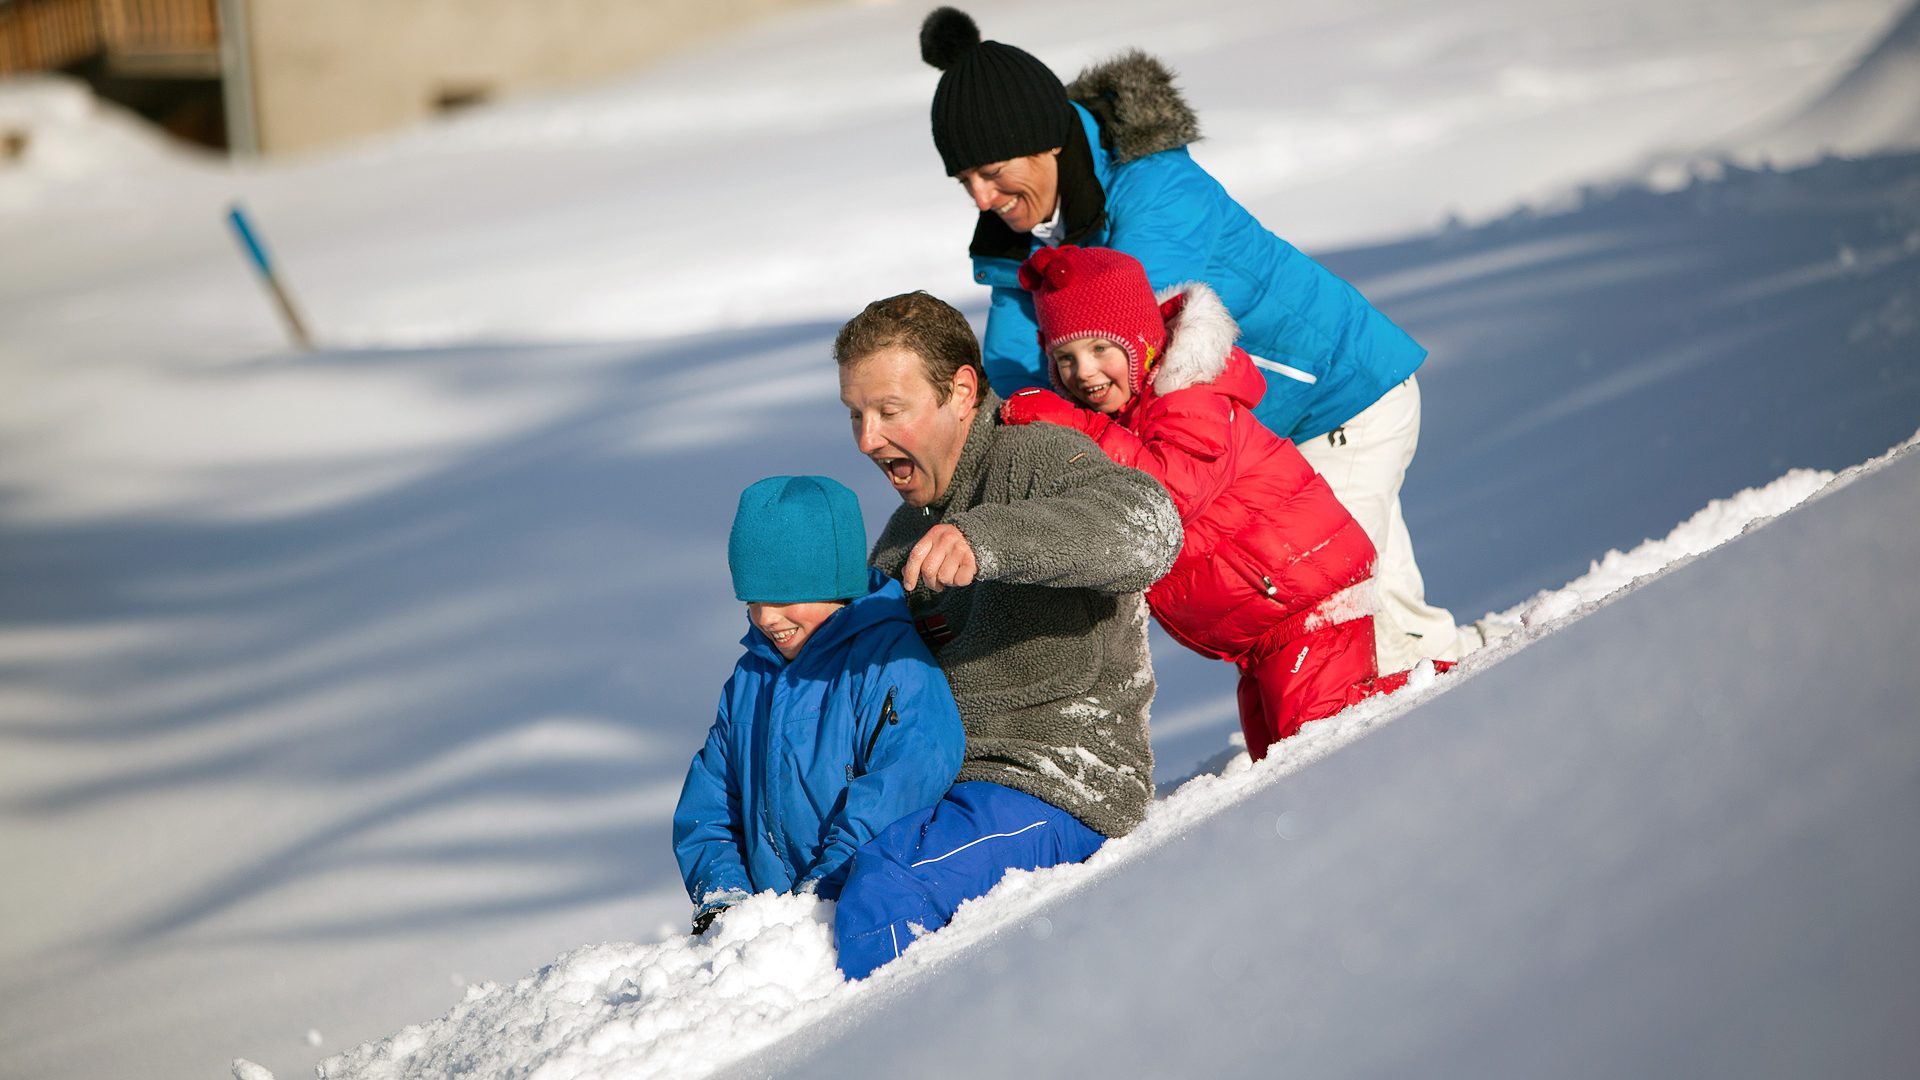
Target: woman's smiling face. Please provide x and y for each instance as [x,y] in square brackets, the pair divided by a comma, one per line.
[1022,190]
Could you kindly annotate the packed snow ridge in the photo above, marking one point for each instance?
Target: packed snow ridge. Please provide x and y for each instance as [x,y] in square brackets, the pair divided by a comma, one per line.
[687,1006]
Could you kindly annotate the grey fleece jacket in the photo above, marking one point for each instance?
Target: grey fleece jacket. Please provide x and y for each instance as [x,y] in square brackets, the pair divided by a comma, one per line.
[1047,649]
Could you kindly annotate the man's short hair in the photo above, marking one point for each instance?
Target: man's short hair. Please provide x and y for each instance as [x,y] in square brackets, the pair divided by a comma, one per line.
[921,323]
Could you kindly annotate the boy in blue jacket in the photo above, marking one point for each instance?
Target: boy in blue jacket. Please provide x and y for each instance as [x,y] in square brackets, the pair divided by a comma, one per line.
[835,723]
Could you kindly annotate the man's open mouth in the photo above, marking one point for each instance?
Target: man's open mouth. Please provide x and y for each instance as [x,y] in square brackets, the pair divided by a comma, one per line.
[898,469]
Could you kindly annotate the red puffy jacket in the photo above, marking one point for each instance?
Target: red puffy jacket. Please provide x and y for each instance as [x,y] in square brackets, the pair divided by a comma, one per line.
[1270,552]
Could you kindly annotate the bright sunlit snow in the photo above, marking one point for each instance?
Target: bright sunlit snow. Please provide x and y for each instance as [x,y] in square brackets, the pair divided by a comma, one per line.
[343,691]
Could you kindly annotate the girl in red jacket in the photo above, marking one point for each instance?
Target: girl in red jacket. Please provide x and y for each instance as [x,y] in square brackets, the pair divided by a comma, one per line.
[1274,574]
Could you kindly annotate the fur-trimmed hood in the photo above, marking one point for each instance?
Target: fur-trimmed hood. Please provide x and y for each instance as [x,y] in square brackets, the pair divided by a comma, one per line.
[1200,337]
[1139,109]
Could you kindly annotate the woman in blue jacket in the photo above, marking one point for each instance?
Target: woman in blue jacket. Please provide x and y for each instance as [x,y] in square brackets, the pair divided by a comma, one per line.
[835,723]
[1104,163]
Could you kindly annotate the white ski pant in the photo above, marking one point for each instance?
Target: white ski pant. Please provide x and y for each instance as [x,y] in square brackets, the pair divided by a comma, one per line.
[1365,461]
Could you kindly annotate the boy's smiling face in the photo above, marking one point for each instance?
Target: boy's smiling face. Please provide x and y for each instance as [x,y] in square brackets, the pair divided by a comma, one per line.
[1094,370]
[789,626]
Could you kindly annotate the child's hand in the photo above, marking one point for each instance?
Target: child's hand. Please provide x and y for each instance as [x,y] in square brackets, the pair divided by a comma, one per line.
[705,916]
[1034,405]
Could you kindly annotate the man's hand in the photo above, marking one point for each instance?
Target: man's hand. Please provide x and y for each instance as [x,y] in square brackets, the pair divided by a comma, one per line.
[941,559]
[1035,405]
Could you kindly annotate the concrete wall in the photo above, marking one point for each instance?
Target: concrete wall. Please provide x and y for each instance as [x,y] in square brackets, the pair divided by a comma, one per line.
[329,71]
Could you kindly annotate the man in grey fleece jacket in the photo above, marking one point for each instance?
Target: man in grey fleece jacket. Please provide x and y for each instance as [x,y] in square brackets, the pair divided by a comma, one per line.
[1024,551]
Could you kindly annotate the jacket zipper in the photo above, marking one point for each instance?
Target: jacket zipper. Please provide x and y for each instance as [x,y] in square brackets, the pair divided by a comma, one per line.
[887,716]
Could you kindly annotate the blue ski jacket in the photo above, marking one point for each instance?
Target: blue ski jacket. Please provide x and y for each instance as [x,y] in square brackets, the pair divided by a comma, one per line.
[808,760]
[1325,351]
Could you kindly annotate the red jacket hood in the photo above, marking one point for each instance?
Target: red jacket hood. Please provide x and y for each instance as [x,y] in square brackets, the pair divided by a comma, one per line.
[1267,547]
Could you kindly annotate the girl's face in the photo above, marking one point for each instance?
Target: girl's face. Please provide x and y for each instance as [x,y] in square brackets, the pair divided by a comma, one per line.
[789,626]
[1095,371]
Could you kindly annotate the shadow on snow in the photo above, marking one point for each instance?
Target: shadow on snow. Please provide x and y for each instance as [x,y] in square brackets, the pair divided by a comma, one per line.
[549,618]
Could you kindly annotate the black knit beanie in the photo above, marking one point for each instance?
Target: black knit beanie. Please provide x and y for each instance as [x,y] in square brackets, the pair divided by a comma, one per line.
[994,102]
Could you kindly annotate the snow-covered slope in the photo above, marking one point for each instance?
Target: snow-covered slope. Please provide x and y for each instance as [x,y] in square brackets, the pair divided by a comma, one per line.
[63,136]
[332,683]
[1873,108]
[1599,374]
[709,192]
[1211,911]
[1673,839]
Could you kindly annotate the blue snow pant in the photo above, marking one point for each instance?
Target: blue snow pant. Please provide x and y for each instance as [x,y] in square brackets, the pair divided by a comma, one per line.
[920,869]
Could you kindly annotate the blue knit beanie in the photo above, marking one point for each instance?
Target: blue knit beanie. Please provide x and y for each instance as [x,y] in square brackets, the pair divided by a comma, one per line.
[797,539]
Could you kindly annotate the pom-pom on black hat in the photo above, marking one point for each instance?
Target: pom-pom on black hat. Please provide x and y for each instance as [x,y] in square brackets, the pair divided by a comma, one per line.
[994,102]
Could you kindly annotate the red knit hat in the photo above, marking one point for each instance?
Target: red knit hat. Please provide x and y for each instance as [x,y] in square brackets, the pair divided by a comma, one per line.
[1096,292]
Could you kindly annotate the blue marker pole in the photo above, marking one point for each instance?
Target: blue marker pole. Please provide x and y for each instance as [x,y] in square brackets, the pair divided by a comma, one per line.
[242,228]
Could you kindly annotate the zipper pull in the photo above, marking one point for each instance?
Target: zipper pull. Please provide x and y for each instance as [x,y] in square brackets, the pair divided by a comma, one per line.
[887,716]
[1271,587]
